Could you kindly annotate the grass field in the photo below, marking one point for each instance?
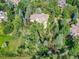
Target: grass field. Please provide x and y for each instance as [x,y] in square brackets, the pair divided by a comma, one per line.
[14,57]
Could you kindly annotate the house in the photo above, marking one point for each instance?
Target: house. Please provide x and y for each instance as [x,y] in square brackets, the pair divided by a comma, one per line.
[40,18]
[61,3]
[3,16]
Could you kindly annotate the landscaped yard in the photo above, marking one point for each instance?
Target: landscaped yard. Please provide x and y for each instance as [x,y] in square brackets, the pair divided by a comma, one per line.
[39,29]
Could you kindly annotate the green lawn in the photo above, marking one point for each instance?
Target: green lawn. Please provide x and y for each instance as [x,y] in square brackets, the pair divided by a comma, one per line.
[4,38]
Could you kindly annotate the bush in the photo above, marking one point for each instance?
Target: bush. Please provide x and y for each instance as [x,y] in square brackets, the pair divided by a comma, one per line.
[8,28]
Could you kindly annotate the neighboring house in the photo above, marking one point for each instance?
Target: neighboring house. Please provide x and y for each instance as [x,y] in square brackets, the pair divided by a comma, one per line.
[15,2]
[3,16]
[61,3]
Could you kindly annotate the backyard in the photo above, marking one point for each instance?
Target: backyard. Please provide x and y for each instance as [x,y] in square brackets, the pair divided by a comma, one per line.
[39,29]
